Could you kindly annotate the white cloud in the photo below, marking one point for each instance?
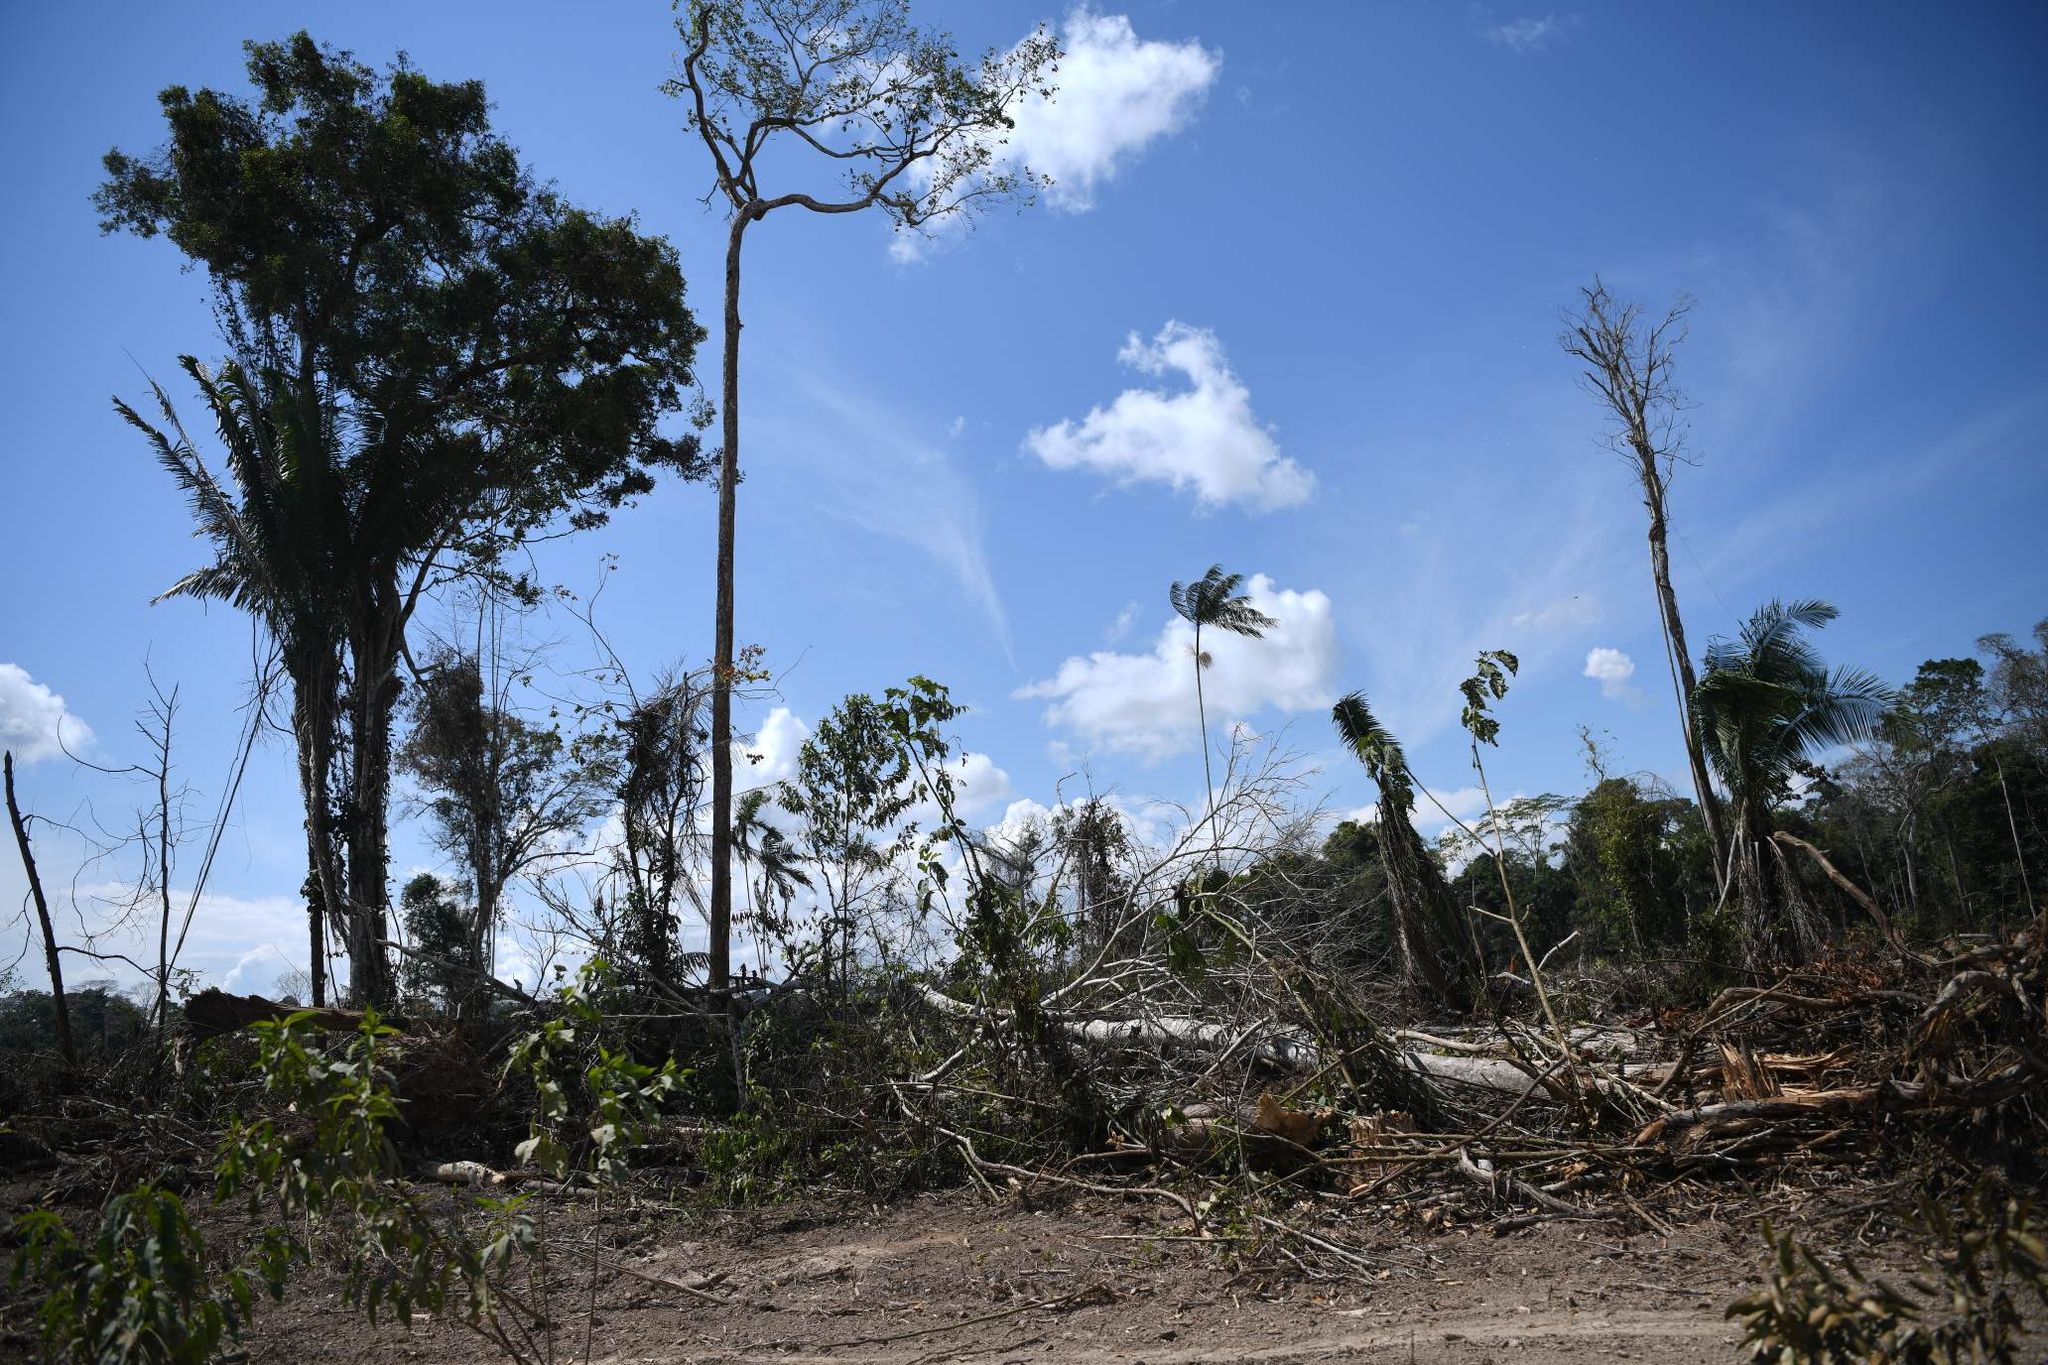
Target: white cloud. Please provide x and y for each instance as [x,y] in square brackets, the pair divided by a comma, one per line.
[1118,93]
[1205,438]
[771,755]
[34,721]
[1530,33]
[1121,627]
[979,785]
[955,427]
[1612,669]
[1144,704]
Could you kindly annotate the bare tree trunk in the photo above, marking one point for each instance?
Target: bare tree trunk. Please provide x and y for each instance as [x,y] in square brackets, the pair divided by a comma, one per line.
[722,665]
[2012,823]
[313,714]
[1683,677]
[1629,369]
[370,981]
[1202,720]
[166,709]
[59,1006]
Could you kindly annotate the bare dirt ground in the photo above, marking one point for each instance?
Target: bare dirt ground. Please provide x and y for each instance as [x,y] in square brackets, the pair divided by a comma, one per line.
[947,1278]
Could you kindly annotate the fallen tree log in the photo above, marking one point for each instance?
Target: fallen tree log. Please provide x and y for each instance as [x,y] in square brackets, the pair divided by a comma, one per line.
[213,1011]
[1689,1127]
[1279,1047]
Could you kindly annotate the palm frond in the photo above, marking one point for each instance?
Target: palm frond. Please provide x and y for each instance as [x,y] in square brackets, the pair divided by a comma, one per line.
[1767,701]
[1214,600]
[1376,747]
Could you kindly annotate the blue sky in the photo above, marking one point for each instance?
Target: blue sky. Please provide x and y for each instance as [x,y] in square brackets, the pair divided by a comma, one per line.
[1292,307]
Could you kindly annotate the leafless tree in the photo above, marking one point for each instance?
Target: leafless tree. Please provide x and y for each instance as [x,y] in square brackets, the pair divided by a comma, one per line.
[1628,367]
[51,959]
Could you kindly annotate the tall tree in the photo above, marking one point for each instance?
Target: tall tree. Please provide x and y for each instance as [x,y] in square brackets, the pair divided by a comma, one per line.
[500,361]
[1628,364]
[896,122]
[1425,920]
[1766,705]
[1213,602]
[283,535]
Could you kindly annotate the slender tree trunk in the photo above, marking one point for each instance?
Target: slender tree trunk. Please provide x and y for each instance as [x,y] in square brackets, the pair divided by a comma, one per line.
[722,667]
[59,1006]
[313,717]
[2012,823]
[1683,677]
[1202,720]
[1906,857]
[163,878]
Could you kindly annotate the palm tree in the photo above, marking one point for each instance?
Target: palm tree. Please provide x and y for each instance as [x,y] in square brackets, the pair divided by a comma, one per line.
[761,844]
[1766,704]
[281,530]
[1214,601]
[1425,921]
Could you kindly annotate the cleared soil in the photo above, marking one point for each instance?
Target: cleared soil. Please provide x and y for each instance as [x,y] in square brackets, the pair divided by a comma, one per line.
[948,1278]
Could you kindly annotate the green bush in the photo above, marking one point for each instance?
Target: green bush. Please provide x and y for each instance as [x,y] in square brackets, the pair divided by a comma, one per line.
[1990,1258]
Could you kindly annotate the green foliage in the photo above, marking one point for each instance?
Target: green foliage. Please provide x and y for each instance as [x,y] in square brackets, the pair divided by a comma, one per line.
[343,1172]
[1488,682]
[870,765]
[434,358]
[139,1291]
[752,1158]
[501,790]
[438,925]
[582,1081]
[857,81]
[1640,861]
[658,765]
[102,1020]
[1375,746]
[378,222]
[1768,702]
[1992,1258]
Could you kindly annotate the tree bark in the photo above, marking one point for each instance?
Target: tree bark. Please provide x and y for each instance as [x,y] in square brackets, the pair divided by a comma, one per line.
[59,1007]
[373,699]
[1684,677]
[1425,922]
[313,717]
[1202,721]
[720,947]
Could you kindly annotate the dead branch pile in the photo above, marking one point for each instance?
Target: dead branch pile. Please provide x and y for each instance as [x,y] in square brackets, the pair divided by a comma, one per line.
[1264,1080]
